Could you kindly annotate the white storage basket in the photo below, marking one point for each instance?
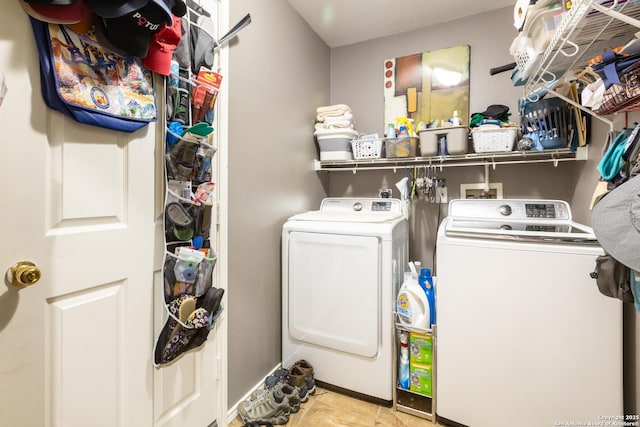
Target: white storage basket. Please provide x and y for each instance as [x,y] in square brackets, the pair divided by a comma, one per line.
[494,140]
[366,148]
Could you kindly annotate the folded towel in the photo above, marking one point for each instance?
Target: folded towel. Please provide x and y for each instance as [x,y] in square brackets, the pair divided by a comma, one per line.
[338,133]
[331,111]
[343,124]
[346,116]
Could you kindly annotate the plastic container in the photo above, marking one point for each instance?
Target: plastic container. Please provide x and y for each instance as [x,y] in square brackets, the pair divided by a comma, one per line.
[366,148]
[547,122]
[335,144]
[494,139]
[403,365]
[412,305]
[401,147]
[444,141]
[426,283]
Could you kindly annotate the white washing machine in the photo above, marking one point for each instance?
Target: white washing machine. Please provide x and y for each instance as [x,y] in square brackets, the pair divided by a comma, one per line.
[340,267]
[524,337]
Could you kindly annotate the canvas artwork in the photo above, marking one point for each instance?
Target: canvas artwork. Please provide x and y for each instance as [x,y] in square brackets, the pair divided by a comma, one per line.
[428,86]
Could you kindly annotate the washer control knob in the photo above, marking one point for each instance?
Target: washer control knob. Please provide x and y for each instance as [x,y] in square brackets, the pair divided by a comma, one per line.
[505,227]
[505,210]
[357,206]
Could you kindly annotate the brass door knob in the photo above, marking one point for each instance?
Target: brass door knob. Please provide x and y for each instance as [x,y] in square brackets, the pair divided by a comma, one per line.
[24,273]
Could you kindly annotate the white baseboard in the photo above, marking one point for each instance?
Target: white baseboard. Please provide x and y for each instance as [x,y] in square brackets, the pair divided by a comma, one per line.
[233,411]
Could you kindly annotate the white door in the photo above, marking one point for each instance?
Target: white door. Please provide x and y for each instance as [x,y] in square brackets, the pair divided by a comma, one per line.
[78,202]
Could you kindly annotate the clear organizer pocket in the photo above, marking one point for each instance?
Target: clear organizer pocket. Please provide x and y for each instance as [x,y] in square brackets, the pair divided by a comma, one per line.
[189,320]
[186,276]
[186,220]
[191,99]
[188,158]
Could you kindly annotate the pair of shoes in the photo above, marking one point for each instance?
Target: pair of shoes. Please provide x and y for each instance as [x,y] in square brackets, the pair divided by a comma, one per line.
[301,375]
[264,410]
[278,376]
[279,392]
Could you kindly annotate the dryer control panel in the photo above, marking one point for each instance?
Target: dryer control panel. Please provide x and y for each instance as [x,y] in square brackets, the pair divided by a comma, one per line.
[358,204]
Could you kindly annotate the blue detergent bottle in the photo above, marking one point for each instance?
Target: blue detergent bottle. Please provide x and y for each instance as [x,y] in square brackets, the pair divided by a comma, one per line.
[426,282]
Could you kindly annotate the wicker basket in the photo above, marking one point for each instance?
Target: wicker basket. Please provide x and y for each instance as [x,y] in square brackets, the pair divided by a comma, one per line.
[366,148]
[494,140]
[625,96]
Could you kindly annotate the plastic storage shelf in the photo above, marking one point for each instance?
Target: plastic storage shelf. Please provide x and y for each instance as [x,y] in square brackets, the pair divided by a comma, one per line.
[408,401]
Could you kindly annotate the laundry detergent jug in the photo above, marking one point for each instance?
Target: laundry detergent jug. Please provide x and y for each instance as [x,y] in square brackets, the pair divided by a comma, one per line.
[412,305]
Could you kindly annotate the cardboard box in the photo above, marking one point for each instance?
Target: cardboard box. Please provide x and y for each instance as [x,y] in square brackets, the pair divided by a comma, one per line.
[420,348]
[421,379]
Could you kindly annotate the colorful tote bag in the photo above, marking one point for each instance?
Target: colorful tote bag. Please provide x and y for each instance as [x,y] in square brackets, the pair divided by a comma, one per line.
[90,84]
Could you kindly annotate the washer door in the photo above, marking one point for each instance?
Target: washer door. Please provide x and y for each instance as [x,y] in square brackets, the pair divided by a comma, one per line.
[334,291]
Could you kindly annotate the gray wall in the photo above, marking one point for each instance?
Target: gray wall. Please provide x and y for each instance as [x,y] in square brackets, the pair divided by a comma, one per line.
[357,80]
[489,49]
[278,75]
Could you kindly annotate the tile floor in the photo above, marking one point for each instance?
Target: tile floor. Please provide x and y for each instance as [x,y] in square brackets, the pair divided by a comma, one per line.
[330,409]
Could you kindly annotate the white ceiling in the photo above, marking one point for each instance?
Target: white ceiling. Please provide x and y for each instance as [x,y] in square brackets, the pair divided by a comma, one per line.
[344,22]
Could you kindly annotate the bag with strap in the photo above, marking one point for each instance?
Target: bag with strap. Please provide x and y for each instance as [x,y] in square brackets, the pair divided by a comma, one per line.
[613,278]
[91,84]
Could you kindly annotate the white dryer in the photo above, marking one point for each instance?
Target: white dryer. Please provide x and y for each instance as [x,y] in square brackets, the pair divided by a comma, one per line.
[524,337]
[340,267]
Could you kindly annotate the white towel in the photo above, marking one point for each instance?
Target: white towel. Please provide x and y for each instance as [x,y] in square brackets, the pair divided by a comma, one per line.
[344,124]
[343,117]
[331,111]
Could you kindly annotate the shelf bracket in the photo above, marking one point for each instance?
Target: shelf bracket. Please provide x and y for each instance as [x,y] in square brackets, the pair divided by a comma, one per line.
[582,108]
[486,177]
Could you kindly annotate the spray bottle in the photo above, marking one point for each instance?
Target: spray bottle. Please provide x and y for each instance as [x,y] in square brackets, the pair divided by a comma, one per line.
[426,282]
[403,365]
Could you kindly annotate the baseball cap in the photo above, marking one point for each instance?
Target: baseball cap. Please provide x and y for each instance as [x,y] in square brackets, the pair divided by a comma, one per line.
[163,44]
[616,222]
[115,8]
[132,32]
[85,24]
[118,8]
[55,11]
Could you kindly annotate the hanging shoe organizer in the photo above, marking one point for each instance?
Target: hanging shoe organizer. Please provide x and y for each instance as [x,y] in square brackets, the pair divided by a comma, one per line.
[192,302]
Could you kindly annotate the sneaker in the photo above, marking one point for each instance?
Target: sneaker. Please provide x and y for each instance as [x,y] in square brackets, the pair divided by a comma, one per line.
[264,410]
[279,393]
[278,376]
[305,366]
[301,378]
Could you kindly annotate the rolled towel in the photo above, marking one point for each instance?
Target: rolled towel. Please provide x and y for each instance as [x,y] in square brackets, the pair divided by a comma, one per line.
[331,111]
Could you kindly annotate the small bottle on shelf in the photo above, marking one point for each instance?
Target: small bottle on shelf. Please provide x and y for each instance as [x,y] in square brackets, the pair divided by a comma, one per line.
[403,365]
[391,131]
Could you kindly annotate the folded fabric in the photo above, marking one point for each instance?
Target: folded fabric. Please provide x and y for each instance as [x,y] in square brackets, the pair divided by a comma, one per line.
[341,117]
[343,124]
[331,111]
[338,132]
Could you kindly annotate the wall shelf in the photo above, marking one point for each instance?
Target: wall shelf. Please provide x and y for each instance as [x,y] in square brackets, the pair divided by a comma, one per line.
[588,28]
[474,159]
